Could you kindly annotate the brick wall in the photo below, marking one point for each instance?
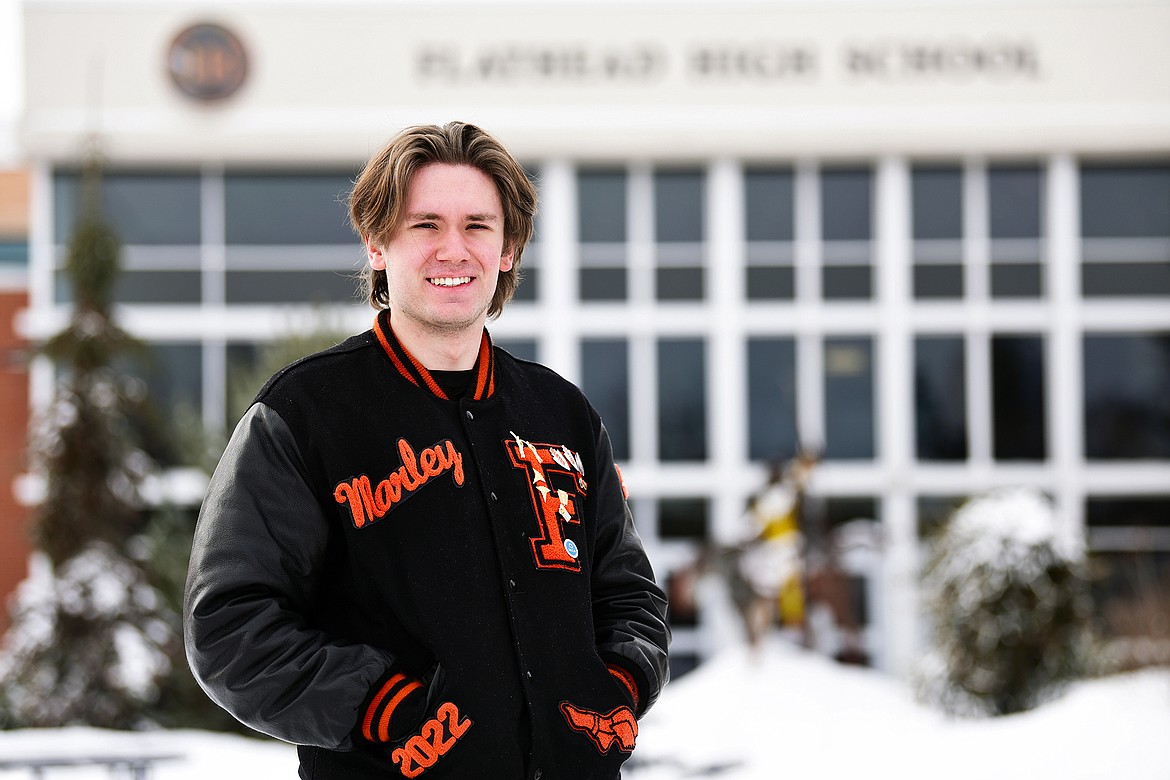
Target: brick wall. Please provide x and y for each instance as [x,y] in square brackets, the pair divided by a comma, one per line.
[14,389]
[14,410]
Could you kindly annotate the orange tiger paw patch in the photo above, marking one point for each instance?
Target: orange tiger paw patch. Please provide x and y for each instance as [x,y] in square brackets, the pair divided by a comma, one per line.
[616,727]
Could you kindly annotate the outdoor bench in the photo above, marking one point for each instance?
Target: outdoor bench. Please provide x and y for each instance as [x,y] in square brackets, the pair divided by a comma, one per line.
[137,765]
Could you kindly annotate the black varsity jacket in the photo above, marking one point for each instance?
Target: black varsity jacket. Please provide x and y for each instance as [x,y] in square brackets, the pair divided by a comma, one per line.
[366,543]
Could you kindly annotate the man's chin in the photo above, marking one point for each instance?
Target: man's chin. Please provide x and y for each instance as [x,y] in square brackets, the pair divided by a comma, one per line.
[453,325]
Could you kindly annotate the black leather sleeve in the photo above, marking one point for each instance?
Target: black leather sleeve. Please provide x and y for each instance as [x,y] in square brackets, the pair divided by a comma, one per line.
[257,554]
[629,608]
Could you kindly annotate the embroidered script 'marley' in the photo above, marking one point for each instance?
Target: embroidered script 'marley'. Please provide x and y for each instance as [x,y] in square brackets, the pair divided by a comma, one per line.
[369,503]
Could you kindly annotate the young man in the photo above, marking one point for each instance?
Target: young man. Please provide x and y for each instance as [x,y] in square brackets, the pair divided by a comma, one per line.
[415,557]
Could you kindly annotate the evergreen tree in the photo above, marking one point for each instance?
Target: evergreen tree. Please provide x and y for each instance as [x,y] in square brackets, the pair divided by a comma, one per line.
[85,444]
[90,637]
[1006,591]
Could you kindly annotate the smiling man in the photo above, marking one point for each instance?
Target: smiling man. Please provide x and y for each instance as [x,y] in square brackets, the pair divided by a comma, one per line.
[416,557]
[441,261]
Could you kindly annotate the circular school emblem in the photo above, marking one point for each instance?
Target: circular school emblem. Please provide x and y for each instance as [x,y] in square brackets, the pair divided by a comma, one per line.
[207,62]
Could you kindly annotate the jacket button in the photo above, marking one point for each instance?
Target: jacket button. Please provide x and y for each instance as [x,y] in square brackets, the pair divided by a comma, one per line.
[529,675]
[537,775]
[495,498]
[470,416]
[511,583]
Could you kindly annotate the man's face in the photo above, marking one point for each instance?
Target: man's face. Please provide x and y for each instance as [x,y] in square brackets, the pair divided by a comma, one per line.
[443,259]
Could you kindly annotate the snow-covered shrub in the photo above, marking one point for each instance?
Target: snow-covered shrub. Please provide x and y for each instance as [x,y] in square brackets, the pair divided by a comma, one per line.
[1007,595]
[88,644]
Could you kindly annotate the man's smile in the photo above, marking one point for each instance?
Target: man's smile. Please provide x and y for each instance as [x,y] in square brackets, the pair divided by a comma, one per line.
[449,281]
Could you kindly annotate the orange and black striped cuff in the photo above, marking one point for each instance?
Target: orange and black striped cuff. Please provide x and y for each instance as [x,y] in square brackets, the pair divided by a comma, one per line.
[387,698]
[627,681]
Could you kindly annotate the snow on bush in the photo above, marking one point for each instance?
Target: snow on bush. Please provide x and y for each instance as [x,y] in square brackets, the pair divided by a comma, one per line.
[53,679]
[1006,594]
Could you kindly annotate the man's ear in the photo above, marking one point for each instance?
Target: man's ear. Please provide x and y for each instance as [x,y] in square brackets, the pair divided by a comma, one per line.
[506,260]
[376,255]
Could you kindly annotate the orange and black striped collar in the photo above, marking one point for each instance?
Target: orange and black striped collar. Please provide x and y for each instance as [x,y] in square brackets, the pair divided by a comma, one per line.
[417,374]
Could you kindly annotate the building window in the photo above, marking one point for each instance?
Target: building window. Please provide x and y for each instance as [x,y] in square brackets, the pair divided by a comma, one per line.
[937,219]
[1127,414]
[13,254]
[242,378]
[682,400]
[934,512]
[144,286]
[1129,513]
[150,209]
[847,535]
[171,376]
[771,406]
[288,239]
[1131,561]
[1019,413]
[843,510]
[1125,227]
[602,233]
[1015,209]
[156,217]
[525,349]
[679,233]
[940,398]
[290,286]
[683,518]
[527,291]
[768,227]
[682,609]
[847,234]
[278,209]
[849,411]
[606,382]
[174,375]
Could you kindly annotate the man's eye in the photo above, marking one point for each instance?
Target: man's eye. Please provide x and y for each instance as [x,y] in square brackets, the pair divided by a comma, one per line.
[424,224]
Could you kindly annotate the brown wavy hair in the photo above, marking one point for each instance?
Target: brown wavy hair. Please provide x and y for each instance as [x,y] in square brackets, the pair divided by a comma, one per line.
[379,194]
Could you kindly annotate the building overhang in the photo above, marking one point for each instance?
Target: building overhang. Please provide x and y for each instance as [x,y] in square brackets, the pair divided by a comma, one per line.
[327,83]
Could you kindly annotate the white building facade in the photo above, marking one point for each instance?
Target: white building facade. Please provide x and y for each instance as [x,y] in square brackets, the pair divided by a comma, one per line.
[931,241]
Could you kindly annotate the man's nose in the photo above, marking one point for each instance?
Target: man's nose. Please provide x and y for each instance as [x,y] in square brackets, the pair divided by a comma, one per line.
[452,248]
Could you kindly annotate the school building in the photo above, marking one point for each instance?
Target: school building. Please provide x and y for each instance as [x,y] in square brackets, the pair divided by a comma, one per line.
[930,241]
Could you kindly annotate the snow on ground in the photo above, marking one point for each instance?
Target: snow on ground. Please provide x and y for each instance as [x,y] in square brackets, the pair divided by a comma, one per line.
[785,712]
[792,713]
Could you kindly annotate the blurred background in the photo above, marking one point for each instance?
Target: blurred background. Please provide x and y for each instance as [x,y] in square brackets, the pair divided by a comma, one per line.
[927,244]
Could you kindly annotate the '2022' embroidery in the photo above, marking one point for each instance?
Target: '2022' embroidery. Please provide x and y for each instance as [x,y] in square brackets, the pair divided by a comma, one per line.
[436,737]
[556,508]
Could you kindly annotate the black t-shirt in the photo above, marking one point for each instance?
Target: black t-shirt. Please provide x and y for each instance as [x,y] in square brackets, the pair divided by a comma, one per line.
[454,383]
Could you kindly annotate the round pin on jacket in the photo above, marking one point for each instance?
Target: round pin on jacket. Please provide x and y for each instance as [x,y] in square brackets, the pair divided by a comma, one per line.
[571,547]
